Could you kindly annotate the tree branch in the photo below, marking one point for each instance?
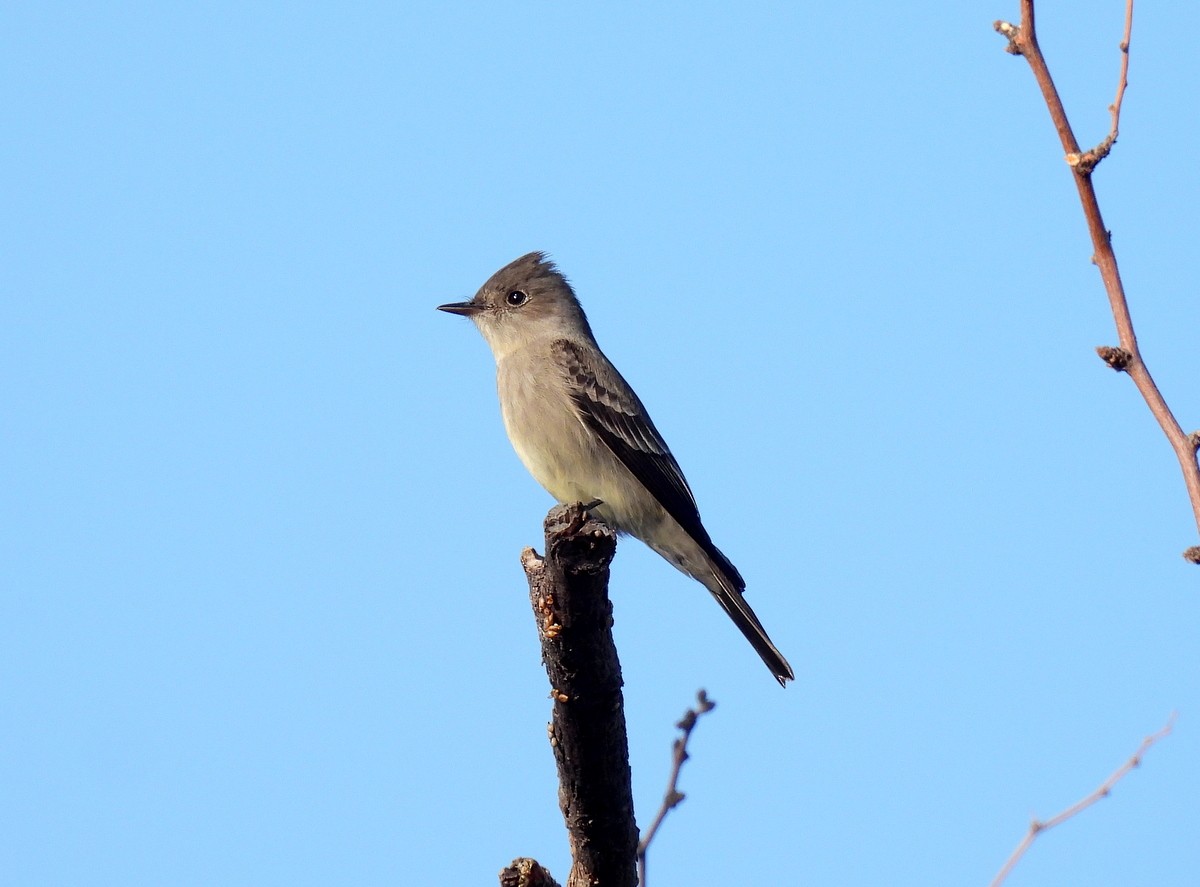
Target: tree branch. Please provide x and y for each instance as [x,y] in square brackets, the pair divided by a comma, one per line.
[1127,358]
[569,593]
[673,796]
[1036,827]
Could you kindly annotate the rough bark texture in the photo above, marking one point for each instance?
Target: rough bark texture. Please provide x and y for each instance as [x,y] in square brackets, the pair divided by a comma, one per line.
[568,589]
[525,872]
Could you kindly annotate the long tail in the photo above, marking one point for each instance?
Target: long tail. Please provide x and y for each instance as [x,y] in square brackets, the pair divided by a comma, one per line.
[691,550]
[728,587]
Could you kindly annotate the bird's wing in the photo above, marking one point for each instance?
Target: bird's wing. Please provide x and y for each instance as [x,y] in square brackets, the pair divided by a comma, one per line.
[608,406]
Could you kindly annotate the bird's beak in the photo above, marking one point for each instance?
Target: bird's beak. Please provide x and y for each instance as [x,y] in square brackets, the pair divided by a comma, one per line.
[466,309]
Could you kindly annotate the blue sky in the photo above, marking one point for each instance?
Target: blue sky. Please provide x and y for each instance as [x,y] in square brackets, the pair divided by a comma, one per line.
[263,620]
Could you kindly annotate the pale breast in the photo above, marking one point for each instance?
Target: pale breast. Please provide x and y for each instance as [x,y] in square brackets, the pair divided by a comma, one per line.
[563,455]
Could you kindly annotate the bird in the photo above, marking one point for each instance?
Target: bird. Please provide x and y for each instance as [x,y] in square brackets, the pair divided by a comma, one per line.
[585,436]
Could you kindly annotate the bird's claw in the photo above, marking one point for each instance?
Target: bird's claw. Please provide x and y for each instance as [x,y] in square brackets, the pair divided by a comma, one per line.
[580,516]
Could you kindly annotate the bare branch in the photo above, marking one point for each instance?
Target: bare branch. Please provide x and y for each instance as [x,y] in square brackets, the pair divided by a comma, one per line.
[569,593]
[1036,827]
[1122,80]
[1022,40]
[1088,160]
[673,796]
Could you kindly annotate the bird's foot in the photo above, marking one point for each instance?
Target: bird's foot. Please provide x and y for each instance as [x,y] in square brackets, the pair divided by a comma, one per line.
[579,518]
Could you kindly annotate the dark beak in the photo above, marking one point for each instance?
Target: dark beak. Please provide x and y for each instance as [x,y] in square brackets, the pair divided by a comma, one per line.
[466,309]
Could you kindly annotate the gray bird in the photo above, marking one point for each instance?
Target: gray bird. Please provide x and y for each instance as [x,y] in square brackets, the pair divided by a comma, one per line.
[585,436]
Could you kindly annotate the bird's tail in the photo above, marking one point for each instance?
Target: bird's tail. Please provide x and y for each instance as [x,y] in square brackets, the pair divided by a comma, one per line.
[727,586]
[694,553]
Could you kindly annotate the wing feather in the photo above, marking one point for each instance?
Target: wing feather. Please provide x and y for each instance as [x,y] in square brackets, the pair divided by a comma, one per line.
[608,406]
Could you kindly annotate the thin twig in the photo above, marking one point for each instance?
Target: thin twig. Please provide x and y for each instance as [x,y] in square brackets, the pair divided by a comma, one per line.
[673,796]
[1088,160]
[1127,358]
[1123,80]
[1036,827]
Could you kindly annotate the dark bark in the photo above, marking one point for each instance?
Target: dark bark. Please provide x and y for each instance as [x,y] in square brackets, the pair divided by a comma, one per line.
[568,589]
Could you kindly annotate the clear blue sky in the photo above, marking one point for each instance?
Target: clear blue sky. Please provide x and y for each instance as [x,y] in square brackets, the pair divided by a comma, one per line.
[262,619]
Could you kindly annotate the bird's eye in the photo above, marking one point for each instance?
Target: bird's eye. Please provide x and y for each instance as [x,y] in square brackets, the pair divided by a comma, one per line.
[515,298]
